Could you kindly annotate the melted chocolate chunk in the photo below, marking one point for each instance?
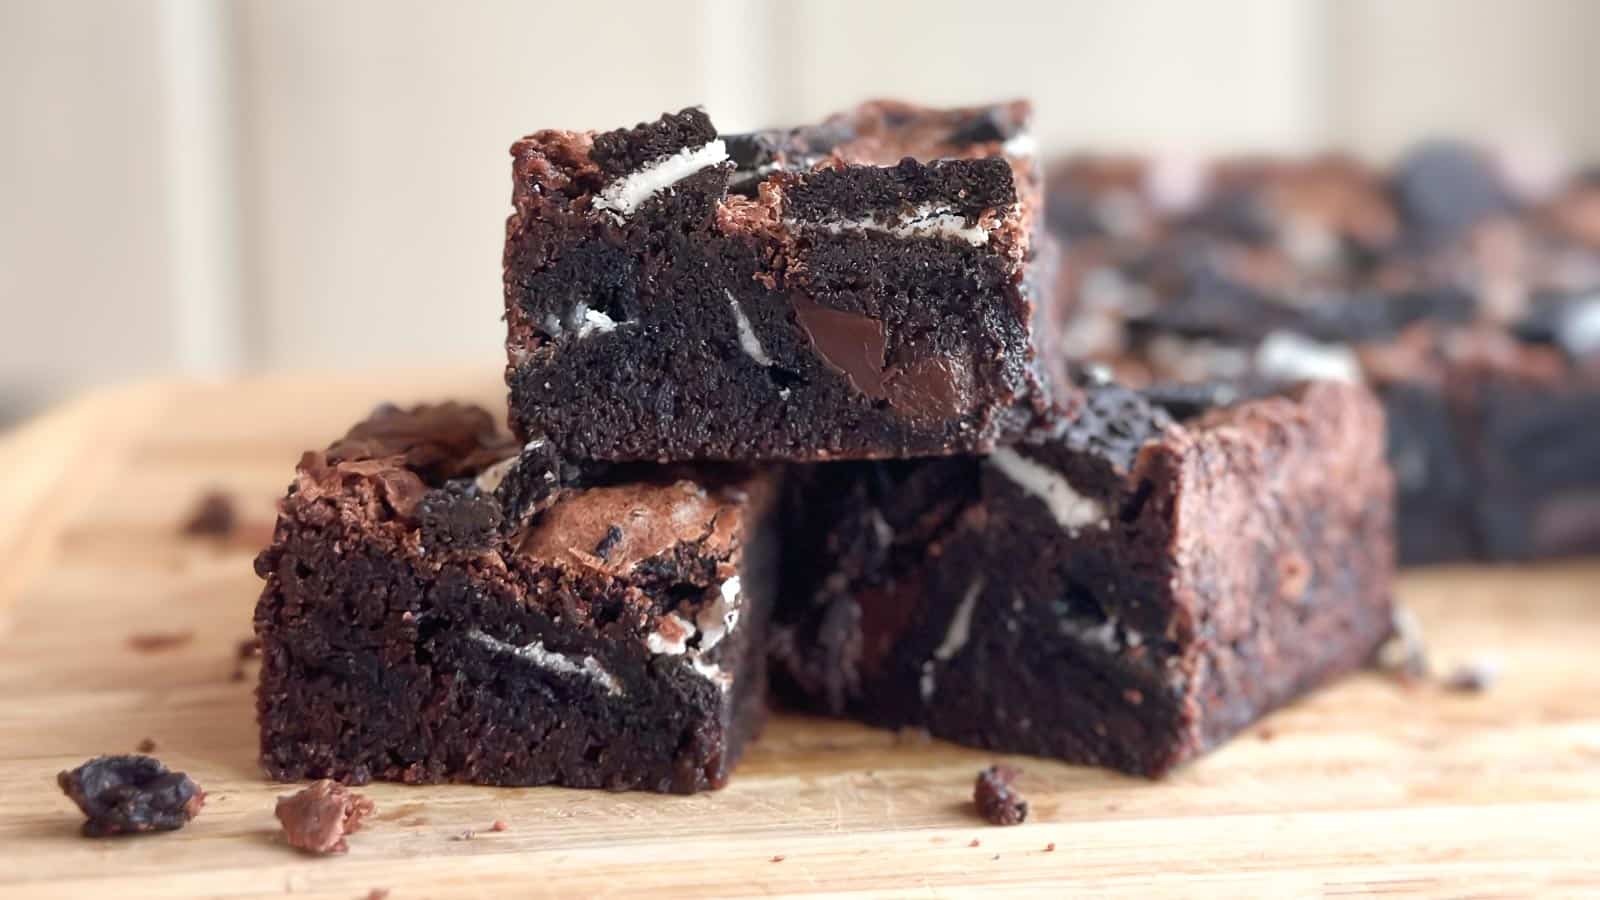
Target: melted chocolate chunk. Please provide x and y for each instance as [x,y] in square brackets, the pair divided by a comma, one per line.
[852,344]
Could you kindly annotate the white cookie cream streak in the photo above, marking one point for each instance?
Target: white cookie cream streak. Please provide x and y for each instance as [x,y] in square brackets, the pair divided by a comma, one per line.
[1071,510]
[625,194]
[1580,328]
[748,342]
[924,220]
[715,621]
[1287,355]
[1020,146]
[955,637]
[537,654]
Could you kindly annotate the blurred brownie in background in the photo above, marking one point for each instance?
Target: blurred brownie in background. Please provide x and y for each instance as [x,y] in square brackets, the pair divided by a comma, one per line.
[861,288]
[1126,588]
[1463,287]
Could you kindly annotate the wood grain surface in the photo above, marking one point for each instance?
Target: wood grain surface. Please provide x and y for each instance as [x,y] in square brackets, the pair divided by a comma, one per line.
[1368,787]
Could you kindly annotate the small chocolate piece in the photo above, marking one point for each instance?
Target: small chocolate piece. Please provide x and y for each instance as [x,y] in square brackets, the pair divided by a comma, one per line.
[997,799]
[131,795]
[159,641]
[214,515]
[317,819]
[146,745]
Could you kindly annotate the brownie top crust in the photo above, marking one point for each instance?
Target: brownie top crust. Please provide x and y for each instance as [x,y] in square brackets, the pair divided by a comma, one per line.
[442,479]
[965,173]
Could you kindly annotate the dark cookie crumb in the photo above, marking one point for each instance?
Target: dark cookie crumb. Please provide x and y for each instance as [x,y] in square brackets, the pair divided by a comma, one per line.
[1473,677]
[248,649]
[159,641]
[146,745]
[998,802]
[317,819]
[131,795]
[213,516]
[608,543]
[465,835]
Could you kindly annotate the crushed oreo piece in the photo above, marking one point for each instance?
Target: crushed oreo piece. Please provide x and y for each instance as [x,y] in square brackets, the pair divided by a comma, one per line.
[608,543]
[213,515]
[457,517]
[529,486]
[998,802]
[1473,677]
[1404,655]
[131,795]
[317,819]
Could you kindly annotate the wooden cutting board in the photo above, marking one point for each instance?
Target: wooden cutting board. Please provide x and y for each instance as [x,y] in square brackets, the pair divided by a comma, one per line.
[1366,787]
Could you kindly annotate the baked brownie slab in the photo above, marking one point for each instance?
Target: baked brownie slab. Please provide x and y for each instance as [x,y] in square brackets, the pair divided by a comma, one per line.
[1126,589]
[441,607]
[862,288]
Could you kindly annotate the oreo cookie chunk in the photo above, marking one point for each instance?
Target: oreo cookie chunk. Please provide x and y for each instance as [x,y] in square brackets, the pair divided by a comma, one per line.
[442,604]
[862,288]
[1126,588]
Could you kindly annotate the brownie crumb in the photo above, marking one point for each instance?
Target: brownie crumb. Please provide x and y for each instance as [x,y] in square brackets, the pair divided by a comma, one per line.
[247,649]
[1050,847]
[1265,734]
[159,641]
[378,894]
[131,795]
[146,745]
[317,819]
[499,825]
[213,516]
[975,843]
[1473,677]
[778,858]
[1404,655]
[998,802]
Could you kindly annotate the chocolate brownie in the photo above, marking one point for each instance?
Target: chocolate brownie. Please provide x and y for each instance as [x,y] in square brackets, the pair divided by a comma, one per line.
[1467,295]
[1126,588]
[440,606]
[862,288]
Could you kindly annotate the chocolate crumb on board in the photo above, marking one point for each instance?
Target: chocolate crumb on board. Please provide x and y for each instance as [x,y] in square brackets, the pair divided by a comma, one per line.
[975,843]
[1473,677]
[131,795]
[317,819]
[146,745]
[499,825]
[1404,655]
[248,649]
[213,516]
[159,641]
[378,894]
[778,858]
[1050,847]
[998,802]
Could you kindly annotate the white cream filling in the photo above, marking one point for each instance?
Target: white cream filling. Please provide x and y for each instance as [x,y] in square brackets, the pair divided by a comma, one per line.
[536,653]
[715,621]
[960,630]
[720,617]
[1580,330]
[1020,145]
[488,481]
[925,220]
[1290,356]
[1071,509]
[624,195]
[748,342]
[593,321]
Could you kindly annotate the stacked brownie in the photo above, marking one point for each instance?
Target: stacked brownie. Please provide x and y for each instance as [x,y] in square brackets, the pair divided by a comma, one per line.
[778,400]
[1463,287]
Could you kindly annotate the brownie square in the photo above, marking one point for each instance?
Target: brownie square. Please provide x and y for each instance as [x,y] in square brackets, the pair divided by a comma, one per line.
[444,605]
[1126,589]
[861,288]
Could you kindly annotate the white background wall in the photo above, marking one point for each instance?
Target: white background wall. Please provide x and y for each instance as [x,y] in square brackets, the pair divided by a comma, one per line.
[202,186]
